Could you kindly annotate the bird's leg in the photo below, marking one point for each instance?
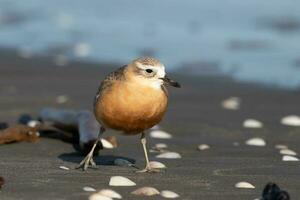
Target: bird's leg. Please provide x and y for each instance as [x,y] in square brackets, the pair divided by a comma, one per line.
[88,160]
[148,168]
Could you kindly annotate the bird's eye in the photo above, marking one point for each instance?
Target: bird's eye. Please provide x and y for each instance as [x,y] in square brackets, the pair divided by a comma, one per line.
[149,71]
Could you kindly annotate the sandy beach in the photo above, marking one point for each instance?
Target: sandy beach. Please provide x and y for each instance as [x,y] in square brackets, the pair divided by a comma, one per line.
[195,116]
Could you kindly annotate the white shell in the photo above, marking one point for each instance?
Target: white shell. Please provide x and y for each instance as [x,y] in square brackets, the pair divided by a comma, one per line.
[202,147]
[64,168]
[106,144]
[244,185]
[252,123]
[291,120]
[146,191]
[122,162]
[160,134]
[256,142]
[288,152]
[62,99]
[281,146]
[169,155]
[97,196]
[161,146]
[110,193]
[120,181]
[289,158]
[157,165]
[33,123]
[89,189]
[169,194]
[232,103]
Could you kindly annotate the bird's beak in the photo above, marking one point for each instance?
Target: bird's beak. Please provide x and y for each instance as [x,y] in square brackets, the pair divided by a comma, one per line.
[169,81]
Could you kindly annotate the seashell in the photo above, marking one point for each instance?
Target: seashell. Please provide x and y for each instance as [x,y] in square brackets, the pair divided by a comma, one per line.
[64,168]
[106,144]
[146,191]
[256,142]
[288,152]
[281,146]
[169,194]
[289,158]
[97,196]
[112,140]
[160,134]
[202,147]
[120,181]
[62,99]
[33,123]
[157,165]
[89,189]
[252,123]
[161,146]
[169,155]
[110,193]
[245,185]
[291,120]
[232,103]
[122,162]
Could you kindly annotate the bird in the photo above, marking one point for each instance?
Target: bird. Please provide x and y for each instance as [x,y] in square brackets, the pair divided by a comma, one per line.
[131,100]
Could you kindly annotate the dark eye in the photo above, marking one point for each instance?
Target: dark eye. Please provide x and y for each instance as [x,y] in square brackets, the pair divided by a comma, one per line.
[149,71]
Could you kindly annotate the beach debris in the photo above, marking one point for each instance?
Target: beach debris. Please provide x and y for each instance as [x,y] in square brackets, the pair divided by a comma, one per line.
[112,140]
[203,147]
[106,144]
[88,189]
[121,181]
[244,185]
[146,191]
[288,152]
[157,165]
[61,99]
[123,163]
[291,120]
[169,194]
[98,196]
[82,49]
[1,182]
[289,158]
[60,60]
[110,193]
[64,167]
[281,146]
[19,133]
[273,192]
[252,123]
[160,146]
[169,155]
[3,125]
[159,134]
[256,142]
[33,123]
[232,103]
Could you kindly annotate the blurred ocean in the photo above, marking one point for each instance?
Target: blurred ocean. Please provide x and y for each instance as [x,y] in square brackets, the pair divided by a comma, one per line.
[250,40]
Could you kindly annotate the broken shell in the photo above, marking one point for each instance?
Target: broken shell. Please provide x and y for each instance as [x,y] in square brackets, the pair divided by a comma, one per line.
[245,185]
[97,196]
[112,140]
[161,146]
[110,193]
[146,191]
[232,103]
[64,168]
[288,152]
[289,158]
[106,144]
[280,146]
[169,194]
[89,189]
[252,123]
[120,181]
[169,155]
[160,134]
[291,120]
[157,165]
[256,142]
[122,162]
[202,147]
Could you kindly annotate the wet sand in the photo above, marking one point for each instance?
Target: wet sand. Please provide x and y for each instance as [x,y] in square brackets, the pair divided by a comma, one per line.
[31,170]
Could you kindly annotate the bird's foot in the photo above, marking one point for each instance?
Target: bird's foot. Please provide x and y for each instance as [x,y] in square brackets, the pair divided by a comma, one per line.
[86,162]
[149,170]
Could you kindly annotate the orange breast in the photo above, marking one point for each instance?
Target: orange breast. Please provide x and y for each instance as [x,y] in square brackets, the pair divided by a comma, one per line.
[131,108]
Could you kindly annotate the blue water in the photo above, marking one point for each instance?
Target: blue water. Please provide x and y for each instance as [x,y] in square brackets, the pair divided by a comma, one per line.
[250,40]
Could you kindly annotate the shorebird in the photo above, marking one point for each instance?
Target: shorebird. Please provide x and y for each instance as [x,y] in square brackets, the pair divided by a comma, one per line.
[131,99]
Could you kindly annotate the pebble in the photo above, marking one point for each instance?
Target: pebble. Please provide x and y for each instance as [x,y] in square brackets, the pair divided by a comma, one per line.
[245,185]
[61,99]
[289,158]
[89,189]
[106,144]
[169,194]
[252,123]
[110,193]
[202,147]
[64,168]
[169,155]
[97,196]
[146,191]
[122,162]
[232,103]
[288,152]
[157,165]
[121,181]
[256,142]
[160,134]
[281,146]
[291,120]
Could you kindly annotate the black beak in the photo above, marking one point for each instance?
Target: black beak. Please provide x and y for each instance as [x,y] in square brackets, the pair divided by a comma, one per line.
[169,81]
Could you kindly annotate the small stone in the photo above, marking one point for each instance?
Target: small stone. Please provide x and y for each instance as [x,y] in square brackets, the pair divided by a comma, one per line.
[89,189]
[122,162]
[256,142]
[202,147]
[106,144]
[157,165]
[110,193]
[64,168]
[244,185]
[62,99]
[232,103]
[252,123]
[97,196]
[160,134]
[281,146]
[169,155]
[288,152]
[169,194]
[146,191]
[120,181]
[289,158]
[291,120]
